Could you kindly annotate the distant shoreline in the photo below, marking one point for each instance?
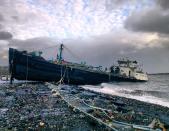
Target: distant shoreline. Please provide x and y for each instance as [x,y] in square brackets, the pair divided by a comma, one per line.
[158,74]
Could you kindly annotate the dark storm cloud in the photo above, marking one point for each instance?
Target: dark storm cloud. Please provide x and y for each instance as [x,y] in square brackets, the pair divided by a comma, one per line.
[5,35]
[1,27]
[3,2]
[16,18]
[1,17]
[106,52]
[154,20]
[154,59]
[163,3]
[164,41]
[31,44]
[95,53]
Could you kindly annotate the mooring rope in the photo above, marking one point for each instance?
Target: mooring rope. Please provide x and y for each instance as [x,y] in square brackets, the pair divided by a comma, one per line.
[113,127]
[26,69]
[94,107]
[69,104]
[11,70]
[62,77]
[72,53]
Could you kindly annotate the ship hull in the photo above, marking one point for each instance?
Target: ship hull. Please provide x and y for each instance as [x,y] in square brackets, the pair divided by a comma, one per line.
[23,66]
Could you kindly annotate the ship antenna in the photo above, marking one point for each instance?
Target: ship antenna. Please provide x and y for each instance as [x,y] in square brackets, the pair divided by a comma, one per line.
[60,53]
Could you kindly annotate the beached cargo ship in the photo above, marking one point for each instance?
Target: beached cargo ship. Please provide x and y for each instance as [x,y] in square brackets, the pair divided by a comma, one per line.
[32,66]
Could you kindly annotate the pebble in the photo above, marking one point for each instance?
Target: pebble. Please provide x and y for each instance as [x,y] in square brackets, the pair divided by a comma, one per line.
[33,107]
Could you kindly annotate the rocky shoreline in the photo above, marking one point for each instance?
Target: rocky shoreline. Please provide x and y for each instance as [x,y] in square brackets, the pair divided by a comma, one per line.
[33,107]
[149,109]
[121,109]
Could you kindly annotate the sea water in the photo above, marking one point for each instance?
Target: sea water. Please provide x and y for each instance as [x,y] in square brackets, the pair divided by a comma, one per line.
[156,90]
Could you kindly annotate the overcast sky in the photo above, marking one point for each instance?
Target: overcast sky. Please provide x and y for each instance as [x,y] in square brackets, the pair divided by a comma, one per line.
[96,31]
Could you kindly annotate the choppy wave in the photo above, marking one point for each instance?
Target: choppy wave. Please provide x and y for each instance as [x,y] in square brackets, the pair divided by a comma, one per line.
[155,91]
[150,96]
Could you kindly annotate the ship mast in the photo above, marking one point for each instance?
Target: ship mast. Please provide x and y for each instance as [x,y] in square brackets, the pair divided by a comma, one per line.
[60,53]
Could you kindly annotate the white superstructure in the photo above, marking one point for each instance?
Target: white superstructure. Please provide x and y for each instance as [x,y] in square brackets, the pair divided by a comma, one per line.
[129,69]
